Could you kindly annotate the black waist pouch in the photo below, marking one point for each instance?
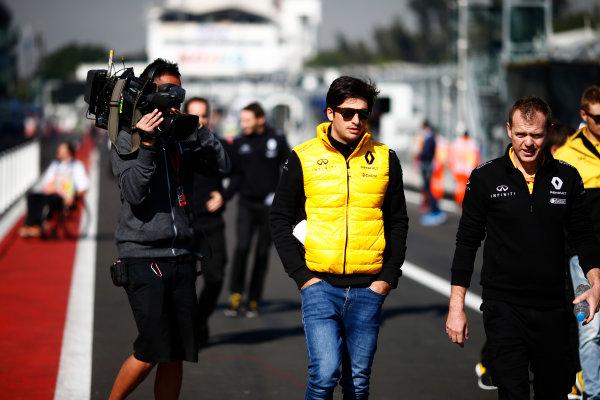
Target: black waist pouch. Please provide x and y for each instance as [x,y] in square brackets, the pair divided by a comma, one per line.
[119,273]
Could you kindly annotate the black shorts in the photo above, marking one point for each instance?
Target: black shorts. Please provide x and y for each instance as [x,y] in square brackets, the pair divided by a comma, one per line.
[162,295]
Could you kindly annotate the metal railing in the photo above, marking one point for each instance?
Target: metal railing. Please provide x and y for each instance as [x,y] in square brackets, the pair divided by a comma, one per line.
[19,170]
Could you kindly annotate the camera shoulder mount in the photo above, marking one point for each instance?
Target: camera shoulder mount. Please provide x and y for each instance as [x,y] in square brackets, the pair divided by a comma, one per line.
[113,120]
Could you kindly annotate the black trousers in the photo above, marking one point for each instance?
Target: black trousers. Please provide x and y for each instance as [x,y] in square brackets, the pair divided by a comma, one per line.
[210,235]
[520,339]
[36,203]
[252,216]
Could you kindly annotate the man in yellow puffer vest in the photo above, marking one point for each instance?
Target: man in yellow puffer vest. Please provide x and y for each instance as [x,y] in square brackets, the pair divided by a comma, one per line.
[347,193]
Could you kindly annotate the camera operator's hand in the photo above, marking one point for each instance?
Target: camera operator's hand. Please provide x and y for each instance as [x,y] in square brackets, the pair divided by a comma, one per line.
[146,126]
[215,202]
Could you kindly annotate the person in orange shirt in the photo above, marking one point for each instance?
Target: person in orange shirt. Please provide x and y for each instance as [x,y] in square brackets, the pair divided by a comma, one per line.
[462,158]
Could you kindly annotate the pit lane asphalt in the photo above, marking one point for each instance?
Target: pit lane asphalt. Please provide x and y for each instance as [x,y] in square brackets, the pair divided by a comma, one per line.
[265,358]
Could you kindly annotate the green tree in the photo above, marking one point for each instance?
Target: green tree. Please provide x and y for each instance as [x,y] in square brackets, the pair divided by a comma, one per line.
[62,63]
[395,42]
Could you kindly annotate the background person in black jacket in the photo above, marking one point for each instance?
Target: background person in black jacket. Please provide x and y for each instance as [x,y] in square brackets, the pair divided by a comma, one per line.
[522,203]
[259,152]
[208,205]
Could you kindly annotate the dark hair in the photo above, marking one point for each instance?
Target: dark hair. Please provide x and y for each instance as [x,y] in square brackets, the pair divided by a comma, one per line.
[193,99]
[160,67]
[591,95]
[559,134]
[70,146]
[529,106]
[348,87]
[256,109]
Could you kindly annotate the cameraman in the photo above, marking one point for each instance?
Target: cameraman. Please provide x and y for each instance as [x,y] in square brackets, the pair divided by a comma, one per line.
[154,237]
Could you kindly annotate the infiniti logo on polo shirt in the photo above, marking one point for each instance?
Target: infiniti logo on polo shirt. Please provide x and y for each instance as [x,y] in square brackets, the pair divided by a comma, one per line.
[502,191]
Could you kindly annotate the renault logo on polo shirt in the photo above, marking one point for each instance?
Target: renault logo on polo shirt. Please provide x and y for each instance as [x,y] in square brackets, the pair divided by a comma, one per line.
[502,188]
[271,148]
[322,161]
[557,182]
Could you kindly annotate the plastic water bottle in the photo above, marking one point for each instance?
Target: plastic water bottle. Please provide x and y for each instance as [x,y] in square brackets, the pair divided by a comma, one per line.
[581,309]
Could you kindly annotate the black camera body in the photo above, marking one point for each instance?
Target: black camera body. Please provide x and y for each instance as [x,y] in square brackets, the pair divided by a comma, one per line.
[138,96]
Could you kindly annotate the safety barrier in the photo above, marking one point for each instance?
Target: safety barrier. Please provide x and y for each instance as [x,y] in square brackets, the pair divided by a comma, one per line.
[19,170]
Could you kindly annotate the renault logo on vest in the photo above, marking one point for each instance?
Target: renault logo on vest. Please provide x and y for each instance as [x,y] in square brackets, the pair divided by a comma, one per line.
[369,157]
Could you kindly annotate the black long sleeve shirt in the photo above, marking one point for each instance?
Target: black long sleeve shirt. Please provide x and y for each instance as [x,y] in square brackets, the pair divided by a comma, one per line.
[257,160]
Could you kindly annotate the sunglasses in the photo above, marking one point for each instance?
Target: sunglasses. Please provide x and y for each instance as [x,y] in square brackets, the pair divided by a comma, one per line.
[596,118]
[348,113]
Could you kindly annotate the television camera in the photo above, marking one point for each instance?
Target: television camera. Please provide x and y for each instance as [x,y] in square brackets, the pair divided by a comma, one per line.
[118,102]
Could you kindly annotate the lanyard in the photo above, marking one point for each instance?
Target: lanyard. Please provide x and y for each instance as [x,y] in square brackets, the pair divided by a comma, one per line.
[175,163]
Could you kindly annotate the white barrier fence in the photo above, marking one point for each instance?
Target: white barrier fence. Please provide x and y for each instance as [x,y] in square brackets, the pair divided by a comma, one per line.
[19,170]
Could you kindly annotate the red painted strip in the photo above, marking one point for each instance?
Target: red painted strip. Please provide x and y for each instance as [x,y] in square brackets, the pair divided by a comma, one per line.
[34,291]
[35,277]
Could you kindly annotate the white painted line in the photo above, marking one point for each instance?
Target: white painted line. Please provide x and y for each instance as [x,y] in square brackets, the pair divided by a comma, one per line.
[75,369]
[437,284]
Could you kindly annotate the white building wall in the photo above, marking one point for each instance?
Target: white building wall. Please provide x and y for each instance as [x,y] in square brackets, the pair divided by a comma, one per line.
[228,49]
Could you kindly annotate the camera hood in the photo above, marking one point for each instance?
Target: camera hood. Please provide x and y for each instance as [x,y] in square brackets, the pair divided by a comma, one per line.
[181,127]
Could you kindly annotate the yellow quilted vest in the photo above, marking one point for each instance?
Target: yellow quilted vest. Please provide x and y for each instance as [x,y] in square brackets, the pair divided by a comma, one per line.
[343,205]
[578,151]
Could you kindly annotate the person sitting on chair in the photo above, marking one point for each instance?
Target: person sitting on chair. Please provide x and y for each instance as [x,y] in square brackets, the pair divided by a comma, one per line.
[63,182]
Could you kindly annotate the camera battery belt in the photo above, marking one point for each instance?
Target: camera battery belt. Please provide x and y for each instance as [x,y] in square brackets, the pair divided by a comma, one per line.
[119,270]
[182,259]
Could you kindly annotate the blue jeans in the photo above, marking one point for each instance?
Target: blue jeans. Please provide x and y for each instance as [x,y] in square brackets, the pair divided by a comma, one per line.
[589,341]
[341,327]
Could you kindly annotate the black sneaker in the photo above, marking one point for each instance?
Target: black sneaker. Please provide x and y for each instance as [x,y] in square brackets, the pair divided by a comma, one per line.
[252,311]
[235,302]
[484,379]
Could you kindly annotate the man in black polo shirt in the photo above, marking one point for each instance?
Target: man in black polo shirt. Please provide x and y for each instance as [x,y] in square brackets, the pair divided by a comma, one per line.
[522,204]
